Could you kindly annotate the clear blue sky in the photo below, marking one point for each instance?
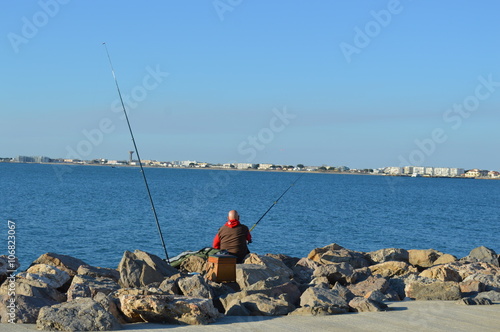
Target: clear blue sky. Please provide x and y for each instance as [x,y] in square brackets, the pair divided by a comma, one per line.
[365,84]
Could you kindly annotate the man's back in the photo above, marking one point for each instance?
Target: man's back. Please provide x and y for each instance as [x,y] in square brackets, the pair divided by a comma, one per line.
[234,239]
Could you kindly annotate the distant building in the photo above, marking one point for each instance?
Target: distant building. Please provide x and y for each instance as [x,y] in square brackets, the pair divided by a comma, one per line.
[244,165]
[494,174]
[476,173]
[393,170]
[24,159]
[266,166]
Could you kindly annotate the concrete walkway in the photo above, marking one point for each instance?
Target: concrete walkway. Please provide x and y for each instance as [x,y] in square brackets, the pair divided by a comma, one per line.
[403,316]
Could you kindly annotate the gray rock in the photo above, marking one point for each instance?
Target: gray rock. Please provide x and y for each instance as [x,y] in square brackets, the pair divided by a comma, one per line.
[98,272]
[258,305]
[439,290]
[249,274]
[355,259]
[325,301]
[361,304]
[340,272]
[303,270]
[170,287]
[289,261]
[168,309]
[491,295]
[389,254]
[474,301]
[275,265]
[86,286]
[344,292]
[83,314]
[287,292]
[34,288]
[490,282]
[195,286]
[483,254]
[62,262]
[320,282]
[26,308]
[139,269]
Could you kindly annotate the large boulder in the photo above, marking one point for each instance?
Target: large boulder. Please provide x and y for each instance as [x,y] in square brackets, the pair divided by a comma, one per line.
[391,269]
[339,272]
[273,264]
[329,255]
[24,309]
[258,305]
[441,272]
[195,286]
[140,269]
[87,286]
[98,272]
[50,275]
[439,290]
[445,259]
[321,301]
[193,263]
[287,260]
[303,270]
[83,314]
[490,282]
[168,309]
[62,262]
[361,304]
[483,254]
[249,274]
[423,258]
[388,254]
[491,295]
[316,253]
[287,296]
[34,288]
[373,283]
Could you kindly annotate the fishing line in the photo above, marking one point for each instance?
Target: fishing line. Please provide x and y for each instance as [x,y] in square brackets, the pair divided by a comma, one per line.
[276,202]
[138,156]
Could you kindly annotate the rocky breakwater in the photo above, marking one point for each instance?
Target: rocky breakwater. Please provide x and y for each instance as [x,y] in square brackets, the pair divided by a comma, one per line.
[59,292]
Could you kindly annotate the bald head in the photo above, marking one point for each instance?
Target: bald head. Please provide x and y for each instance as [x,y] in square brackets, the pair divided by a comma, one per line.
[233,215]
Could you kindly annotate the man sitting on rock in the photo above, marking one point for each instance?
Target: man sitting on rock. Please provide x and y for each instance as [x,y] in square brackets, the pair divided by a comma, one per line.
[233,237]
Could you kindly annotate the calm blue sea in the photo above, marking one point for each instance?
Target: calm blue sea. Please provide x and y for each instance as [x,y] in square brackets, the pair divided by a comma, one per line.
[96,213]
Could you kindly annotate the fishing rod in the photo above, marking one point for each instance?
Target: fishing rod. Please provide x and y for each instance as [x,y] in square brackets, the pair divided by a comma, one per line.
[276,201]
[138,157]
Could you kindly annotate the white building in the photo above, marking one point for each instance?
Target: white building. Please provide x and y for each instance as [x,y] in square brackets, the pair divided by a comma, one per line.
[265,166]
[394,170]
[244,165]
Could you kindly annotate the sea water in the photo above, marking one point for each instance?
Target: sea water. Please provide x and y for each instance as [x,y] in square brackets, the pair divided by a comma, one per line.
[95,213]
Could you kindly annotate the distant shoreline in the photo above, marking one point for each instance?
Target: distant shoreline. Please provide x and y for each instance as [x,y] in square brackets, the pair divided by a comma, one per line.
[250,170]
